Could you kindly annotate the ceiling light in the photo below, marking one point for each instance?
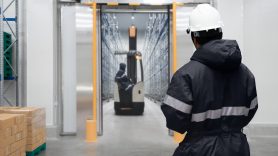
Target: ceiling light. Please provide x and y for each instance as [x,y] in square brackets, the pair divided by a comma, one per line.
[84,26]
[155,2]
[186,14]
[84,21]
[83,15]
[84,88]
[182,20]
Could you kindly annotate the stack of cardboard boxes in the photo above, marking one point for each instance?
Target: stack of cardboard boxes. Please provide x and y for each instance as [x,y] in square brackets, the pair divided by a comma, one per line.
[36,130]
[12,135]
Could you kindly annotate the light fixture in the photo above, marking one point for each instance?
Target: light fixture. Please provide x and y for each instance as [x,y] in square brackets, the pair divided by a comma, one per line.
[138,57]
[132,17]
[84,26]
[184,20]
[84,21]
[83,15]
[155,2]
[185,14]
[84,88]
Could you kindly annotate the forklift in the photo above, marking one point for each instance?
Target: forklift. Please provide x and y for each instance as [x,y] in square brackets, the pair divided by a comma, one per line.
[131,102]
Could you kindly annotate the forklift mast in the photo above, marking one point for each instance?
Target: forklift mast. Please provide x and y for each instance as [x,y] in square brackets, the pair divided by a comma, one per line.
[131,60]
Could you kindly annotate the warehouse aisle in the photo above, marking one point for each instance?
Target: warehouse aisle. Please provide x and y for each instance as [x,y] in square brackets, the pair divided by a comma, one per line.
[123,136]
[135,135]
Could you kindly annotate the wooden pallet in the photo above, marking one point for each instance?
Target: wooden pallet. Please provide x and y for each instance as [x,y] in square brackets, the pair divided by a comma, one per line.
[37,150]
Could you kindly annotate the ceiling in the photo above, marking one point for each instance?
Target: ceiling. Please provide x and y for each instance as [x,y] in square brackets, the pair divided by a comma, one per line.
[122,20]
[125,20]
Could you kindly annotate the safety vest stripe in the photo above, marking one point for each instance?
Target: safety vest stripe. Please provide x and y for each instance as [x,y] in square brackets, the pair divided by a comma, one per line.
[120,77]
[254,103]
[177,104]
[216,114]
[128,87]
[225,111]
[210,114]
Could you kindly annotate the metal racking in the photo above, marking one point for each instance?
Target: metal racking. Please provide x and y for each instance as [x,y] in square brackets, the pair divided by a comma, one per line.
[155,58]
[111,42]
[155,54]
[9,88]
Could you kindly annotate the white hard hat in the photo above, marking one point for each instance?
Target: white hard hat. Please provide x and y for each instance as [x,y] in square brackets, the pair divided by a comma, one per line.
[204,17]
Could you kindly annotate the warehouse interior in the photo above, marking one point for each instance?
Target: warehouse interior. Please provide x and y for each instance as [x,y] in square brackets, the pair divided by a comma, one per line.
[59,62]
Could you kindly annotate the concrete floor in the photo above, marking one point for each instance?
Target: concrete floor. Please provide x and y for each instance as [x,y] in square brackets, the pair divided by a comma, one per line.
[134,136]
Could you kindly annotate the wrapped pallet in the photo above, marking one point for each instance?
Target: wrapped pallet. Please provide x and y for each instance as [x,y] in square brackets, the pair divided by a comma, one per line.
[13,132]
[36,130]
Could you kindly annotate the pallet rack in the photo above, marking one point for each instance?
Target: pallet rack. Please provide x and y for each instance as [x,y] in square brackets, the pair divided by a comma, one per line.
[156,56]
[111,42]
[9,87]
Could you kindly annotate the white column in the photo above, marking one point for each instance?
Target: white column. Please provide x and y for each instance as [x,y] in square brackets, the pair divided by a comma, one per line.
[39,55]
[69,69]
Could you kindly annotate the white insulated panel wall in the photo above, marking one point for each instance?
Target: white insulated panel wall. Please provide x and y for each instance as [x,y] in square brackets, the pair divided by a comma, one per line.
[253,23]
[69,69]
[232,16]
[39,55]
[261,54]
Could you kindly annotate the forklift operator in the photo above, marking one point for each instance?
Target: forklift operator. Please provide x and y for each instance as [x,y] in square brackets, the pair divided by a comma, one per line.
[122,80]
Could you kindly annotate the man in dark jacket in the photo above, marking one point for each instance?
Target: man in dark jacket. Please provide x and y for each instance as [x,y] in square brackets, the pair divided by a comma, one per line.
[213,97]
[122,80]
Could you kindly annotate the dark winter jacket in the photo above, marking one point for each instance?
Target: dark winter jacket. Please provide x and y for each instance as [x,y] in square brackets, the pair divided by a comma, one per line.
[212,98]
[122,80]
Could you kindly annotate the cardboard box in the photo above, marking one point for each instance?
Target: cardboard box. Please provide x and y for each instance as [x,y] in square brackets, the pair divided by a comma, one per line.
[12,139]
[36,125]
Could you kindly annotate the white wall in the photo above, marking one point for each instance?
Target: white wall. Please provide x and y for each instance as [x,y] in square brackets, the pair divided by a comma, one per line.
[232,16]
[69,69]
[260,38]
[40,51]
[253,23]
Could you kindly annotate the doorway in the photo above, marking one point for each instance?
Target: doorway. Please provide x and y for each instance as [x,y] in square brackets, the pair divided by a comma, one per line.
[153,32]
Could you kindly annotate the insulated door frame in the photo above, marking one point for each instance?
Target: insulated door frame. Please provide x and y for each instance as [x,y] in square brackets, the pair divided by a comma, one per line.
[177,136]
[165,7]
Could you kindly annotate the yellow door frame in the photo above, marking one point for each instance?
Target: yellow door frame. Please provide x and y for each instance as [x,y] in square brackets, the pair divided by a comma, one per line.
[177,136]
[91,124]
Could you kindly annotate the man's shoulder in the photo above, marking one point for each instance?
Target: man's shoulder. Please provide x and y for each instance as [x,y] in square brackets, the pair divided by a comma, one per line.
[246,70]
[189,68]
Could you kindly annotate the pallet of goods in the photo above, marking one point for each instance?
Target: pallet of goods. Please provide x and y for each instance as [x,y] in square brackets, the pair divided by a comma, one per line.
[13,133]
[36,129]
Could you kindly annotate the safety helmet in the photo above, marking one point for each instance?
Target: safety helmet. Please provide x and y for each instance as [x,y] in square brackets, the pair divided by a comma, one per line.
[204,17]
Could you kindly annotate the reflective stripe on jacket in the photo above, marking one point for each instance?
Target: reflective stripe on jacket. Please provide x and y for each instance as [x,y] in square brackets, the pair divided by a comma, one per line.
[214,92]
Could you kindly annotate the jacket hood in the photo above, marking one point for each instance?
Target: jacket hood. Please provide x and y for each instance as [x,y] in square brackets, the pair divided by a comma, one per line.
[122,66]
[219,54]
